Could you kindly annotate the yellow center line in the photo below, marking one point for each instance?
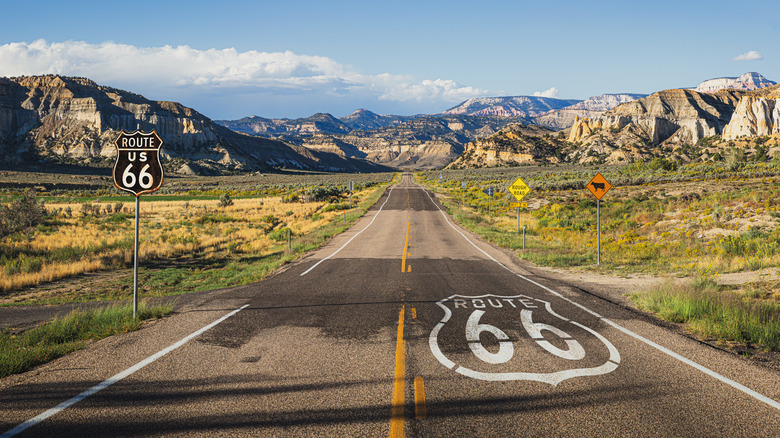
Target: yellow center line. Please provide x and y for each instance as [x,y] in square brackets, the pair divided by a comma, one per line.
[406,248]
[420,410]
[397,418]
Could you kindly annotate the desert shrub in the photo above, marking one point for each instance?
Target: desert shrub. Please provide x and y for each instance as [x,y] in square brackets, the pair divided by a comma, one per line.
[279,235]
[225,201]
[21,214]
[291,198]
[324,193]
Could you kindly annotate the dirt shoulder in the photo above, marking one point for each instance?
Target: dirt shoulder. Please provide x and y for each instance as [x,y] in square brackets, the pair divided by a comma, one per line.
[617,290]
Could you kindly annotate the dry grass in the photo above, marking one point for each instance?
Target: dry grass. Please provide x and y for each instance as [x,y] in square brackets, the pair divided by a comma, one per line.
[81,244]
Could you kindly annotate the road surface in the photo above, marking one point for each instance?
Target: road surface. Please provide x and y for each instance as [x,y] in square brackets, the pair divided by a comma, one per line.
[405,325]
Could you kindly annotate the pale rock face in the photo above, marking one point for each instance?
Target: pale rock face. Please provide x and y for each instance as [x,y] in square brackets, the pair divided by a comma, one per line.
[748,81]
[754,116]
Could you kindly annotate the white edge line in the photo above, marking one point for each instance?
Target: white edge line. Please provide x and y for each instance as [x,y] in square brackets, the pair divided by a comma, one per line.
[703,369]
[114,379]
[352,238]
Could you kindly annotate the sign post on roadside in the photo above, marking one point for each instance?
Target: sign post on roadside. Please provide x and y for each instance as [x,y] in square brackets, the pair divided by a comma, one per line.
[599,186]
[489,191]
[519,189]
[463,193]
[138,170]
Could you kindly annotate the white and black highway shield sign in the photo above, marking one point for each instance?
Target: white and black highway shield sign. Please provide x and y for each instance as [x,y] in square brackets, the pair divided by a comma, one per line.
[501,338]
[137,168]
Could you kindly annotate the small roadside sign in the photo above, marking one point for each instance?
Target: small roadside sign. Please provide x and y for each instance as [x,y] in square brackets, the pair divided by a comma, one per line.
[519,189]
[599,186]
[463,185]
[488,191]
[518,205]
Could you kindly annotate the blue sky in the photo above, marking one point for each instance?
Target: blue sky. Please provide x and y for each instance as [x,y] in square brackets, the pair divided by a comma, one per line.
[292,58]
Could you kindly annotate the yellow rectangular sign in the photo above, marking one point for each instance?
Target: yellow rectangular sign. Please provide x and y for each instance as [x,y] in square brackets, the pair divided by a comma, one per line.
[518,204]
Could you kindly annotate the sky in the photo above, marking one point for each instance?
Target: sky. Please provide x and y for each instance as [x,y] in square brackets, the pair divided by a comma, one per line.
[231,59]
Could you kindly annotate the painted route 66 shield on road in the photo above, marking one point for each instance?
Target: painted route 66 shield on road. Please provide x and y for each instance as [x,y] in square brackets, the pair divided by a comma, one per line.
[501,338]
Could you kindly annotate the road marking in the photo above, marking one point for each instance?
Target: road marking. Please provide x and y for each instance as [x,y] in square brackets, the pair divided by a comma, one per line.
[758,396]
[397,418]
[406,249]
[420,410]
[414,313]
[116,378]
[353,237]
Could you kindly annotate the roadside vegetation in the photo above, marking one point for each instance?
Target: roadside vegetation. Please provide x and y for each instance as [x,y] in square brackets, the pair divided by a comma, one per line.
[190,240]
[661,218]
[20,352]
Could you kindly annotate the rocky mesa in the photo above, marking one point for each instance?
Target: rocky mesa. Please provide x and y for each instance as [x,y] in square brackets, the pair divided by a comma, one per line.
[75,120]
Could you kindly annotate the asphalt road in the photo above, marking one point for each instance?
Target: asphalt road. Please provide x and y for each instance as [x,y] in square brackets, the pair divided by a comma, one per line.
[405,325]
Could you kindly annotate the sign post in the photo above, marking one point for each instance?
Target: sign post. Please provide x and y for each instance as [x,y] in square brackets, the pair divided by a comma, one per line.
[463,193]
[489,191]
[137,170]
[519,189]
[599,186]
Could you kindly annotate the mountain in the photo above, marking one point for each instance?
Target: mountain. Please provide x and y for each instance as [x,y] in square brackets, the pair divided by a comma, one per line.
[748,81]
[419,143]
[513,145]
[591,107]
[517,106]
[674,116]
[678,118]
[66,119]
[363,119]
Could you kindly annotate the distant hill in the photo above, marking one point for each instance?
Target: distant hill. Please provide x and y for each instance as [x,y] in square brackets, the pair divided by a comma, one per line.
[74,120]
[746,82]
[589,108]
[364,119]
[516,106]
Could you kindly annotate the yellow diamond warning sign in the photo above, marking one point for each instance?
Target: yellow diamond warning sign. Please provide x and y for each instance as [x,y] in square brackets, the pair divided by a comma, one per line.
[599,186]
[519,189]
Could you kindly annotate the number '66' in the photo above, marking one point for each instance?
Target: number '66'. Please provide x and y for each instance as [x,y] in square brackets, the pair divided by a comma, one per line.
[145,179]
[505,347]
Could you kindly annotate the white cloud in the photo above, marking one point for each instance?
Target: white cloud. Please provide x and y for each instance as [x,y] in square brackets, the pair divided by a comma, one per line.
[550,92]
[166,69]
[749,56]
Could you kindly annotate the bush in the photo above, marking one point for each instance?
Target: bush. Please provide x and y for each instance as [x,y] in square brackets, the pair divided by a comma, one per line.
[324,193]
[225,201]
[21,214]
[279,235]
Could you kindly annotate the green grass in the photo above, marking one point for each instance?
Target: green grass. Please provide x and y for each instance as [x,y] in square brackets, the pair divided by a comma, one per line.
[712,311]
[48,341]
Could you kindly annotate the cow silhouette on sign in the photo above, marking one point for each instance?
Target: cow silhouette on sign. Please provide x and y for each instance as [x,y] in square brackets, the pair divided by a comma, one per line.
[597,186]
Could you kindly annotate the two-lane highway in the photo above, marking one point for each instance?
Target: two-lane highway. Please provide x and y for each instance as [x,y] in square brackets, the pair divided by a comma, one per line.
[405,325]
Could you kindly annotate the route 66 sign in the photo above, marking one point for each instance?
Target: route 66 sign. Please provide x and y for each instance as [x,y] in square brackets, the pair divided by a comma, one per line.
[501,338]
[137,168]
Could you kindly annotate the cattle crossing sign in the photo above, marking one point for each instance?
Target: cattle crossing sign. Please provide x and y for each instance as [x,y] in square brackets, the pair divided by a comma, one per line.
[599,186]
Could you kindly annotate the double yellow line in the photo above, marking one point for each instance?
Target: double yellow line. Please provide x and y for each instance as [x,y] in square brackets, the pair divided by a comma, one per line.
[399,386]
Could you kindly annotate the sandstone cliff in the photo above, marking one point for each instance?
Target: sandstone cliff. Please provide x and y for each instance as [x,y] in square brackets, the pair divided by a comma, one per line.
[755,115]
[76,120]
[671,116]
[513,145]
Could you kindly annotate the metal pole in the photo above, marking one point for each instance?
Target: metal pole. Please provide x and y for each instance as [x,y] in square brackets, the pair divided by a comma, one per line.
[289,240]
[523,236]
[518,219]
[598,232]
[489,199]
[135,260]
